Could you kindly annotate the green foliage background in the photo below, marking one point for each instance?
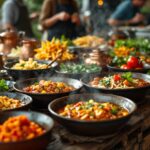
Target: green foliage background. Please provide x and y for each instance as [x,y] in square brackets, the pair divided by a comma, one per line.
[35,6]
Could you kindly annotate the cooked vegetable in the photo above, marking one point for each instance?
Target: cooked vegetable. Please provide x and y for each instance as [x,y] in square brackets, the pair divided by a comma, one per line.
[140,45]
[92,110]
[9,103]
[79,68]
[29,65]
[3,86]
[125,66]
[118,61]
[51,49]
[117,77]
[19,128]
[130,62]
[124,51]
[44,87]
[134,62]
[127,76]
[130,47]
[118,81]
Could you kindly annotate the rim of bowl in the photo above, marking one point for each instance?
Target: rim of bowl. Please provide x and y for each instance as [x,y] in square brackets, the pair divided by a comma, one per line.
[30,100]
[21,91]
[8,68]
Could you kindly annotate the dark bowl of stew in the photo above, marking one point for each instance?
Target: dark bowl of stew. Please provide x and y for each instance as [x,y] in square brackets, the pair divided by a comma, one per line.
[92,127]
[39,142]
[136,93]
[42,99]
[14,101]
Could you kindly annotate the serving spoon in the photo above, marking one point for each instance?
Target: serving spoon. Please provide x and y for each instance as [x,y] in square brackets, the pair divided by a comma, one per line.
[58,56]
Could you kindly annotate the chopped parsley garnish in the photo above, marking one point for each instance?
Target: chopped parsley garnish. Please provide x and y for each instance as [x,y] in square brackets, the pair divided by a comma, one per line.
[101,106]
[114,111]
[22,65]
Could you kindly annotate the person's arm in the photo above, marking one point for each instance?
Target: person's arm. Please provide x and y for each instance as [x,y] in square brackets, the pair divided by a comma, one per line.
[34,15]
[119,17]
[136,19]
[47,18]
[62,16]
[46,12]
[115,22]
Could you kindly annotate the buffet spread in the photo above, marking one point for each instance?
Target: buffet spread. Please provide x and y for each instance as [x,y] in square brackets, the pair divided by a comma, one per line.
[74,93]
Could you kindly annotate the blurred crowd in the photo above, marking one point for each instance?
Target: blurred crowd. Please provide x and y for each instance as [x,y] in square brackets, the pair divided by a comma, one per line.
[72,19]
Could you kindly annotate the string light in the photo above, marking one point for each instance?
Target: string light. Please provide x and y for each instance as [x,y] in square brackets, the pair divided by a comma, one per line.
[100,2]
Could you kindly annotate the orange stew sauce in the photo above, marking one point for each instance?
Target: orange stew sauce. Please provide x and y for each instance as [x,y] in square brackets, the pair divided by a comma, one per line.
[19,128]
[92,110]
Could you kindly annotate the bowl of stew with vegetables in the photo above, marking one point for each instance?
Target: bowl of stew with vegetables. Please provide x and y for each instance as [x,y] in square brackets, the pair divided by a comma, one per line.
[92,114]
[22,130]
[44,90]
[131,85]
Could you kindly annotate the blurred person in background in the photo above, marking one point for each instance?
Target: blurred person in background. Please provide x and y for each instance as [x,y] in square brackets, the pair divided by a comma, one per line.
[99,14]
[15,16]
[127,13]
[60,17]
